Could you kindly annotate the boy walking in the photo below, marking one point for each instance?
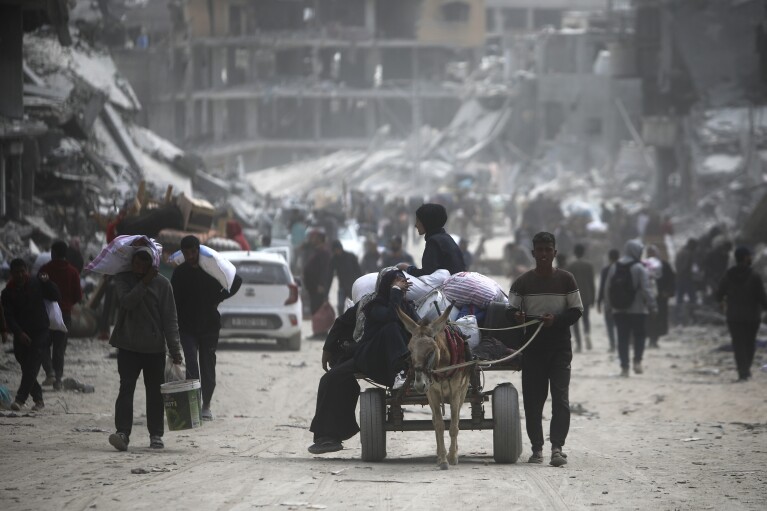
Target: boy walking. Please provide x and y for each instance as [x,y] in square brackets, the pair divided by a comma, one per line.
[550,295]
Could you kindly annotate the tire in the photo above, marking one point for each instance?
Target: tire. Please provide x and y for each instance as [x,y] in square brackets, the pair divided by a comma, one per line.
[292,343]
[372,432]
[507,430]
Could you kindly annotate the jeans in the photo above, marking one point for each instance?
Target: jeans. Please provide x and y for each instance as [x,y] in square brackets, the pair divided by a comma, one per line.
[630,326]
[539,372]
[743,345]
[205,347]
[129,365]
[54,365]
[29,358]
[610,325]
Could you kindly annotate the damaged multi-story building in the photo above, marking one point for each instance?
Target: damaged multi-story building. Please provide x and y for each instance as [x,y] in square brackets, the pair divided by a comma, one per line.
[275,80]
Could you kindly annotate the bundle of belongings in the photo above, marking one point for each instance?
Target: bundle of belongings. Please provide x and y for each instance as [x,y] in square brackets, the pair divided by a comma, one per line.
[117,255]
[472,295]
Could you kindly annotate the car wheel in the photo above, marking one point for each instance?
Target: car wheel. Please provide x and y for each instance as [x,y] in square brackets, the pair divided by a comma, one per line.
[292,343]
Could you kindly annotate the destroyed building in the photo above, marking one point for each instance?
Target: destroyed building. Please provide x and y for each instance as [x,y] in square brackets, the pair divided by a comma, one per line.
[272,81]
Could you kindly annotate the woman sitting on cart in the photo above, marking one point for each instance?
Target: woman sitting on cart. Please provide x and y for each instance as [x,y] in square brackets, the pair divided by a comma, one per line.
[381,353]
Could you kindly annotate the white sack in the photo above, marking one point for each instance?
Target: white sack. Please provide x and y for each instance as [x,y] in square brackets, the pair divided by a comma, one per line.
[364,285]
[212,263]
[116,256]
[421,286]
[55,318]
[433,305]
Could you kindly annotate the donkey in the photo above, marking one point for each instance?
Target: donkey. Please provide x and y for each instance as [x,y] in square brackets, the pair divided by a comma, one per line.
[428,351]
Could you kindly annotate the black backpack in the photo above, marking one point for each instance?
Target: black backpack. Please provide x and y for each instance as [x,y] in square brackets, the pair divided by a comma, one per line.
[622,290]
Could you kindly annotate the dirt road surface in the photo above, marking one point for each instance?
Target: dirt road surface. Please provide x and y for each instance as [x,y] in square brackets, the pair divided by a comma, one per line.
[680,436]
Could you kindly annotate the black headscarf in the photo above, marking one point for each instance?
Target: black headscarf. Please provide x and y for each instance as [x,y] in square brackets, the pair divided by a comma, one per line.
[432,216]
[384,285]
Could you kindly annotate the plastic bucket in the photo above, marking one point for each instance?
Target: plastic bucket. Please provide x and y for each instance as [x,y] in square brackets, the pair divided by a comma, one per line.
[183,404]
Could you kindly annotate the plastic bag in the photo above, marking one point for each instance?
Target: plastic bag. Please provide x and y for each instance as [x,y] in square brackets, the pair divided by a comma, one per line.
[174,372]
[211,263]
[433,305]
[55,319]
[116,257]
[469,328]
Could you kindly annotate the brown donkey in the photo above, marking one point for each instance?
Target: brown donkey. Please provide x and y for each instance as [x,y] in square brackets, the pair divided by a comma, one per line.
[429,351]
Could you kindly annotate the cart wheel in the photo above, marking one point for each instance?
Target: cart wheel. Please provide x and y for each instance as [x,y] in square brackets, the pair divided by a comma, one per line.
[372,432]
[292,343]
[507,431]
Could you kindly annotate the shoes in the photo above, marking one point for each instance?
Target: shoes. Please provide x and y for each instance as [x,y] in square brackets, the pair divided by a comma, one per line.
[638,367]
[325,444]
[558,458]
[625,372]
[206,414]
[536,457]
[399,380]
[119,441]
[39,405]
[588,342]
[57,385]
[155,442]
[16,406]
[49,380]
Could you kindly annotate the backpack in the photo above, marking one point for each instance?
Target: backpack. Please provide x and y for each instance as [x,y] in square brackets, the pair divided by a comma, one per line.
[622,290]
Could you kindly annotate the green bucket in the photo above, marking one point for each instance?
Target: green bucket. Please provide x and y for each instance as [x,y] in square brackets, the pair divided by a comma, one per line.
[183,404]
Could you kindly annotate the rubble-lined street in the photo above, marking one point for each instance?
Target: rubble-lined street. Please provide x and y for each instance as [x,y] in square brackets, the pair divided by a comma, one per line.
[679,436]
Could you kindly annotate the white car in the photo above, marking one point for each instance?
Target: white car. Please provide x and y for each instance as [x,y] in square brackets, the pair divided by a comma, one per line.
[268,305]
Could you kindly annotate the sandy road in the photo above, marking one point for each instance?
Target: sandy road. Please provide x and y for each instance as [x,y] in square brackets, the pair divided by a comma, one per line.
[676,437]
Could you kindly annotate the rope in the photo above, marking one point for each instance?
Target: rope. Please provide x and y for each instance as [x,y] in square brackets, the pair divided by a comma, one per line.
[488,363]
[523,325]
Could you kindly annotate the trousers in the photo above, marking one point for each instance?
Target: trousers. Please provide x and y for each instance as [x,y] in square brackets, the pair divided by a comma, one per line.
[200,357]
[541,371]
[29,358]
[129,365]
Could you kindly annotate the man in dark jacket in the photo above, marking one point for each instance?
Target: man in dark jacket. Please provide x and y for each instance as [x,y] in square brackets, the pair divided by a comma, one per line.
[67,279]
[197,297]
[27,318]
[344,265]
[441,251]
[742,290]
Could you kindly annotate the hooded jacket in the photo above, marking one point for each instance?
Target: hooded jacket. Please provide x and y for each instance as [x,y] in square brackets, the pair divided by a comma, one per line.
[441,251]
[743,290]
[644,299]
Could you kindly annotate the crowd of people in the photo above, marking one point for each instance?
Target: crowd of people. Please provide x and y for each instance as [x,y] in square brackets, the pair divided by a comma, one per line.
[163,320]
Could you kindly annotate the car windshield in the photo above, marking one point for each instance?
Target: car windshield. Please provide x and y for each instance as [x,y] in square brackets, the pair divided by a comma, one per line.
[253,272]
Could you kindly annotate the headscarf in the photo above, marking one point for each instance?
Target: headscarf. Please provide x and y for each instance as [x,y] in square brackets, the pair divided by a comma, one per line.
[432,216]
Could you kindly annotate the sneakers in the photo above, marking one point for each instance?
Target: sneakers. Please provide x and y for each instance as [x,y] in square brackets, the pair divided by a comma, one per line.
[325,444]
[58,385]
[625,372]
[638,367]
[206,414]
[16,406]
[39,405]
[155,442]
[399,380]
[119,441]
[536,457]
[49,380]
[558,458]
